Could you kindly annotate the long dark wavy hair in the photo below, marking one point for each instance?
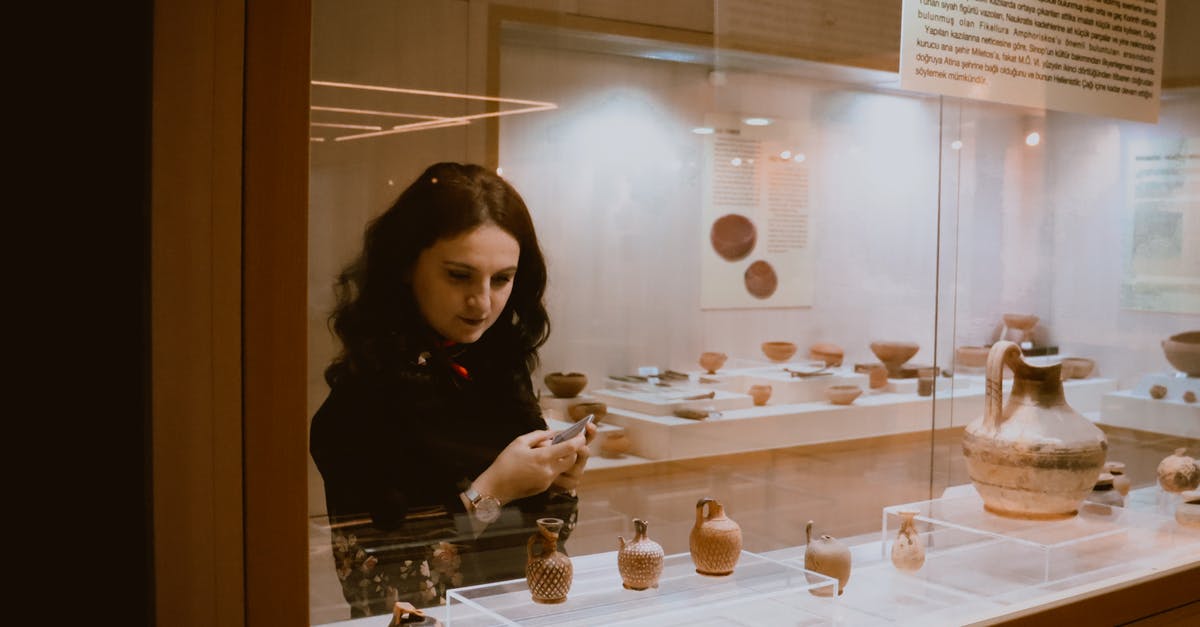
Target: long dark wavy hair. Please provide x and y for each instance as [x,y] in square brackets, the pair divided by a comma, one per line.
[377,318]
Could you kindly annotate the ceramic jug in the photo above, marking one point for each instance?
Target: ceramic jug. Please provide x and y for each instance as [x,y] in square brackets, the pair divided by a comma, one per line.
[830,557]
[715,541]
[640,560]
[908,550]
[1032,456]
[548,572]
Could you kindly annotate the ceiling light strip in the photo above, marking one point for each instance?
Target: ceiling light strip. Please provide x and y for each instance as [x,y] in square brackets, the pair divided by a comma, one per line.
[405,128]
[390,114]
[361,127]
[444,94]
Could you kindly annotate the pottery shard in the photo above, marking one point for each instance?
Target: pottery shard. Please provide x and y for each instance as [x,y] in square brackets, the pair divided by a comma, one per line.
[733,236]
[761,280]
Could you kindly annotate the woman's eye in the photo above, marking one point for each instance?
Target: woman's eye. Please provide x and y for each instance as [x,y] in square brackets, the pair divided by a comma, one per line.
[459,276]
[503,279]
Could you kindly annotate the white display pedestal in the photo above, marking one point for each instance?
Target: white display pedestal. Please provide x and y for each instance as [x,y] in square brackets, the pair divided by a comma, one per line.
[1136,409]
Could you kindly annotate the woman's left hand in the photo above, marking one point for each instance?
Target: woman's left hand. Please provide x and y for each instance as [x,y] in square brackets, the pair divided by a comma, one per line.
[569,479]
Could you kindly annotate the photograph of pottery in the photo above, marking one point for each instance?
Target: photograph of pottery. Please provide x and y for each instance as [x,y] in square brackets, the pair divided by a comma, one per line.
[615,444]
[640,561]
[760,394]
[760,279]
[597,409]
[1183,351]
[894,355]
[830,557]
[842,394]
[733,236]
[1077,367]
[908,550]
[548,571]
[778,351]
[831,354]
[712,362]
[566,385]
[1032,456]
[1178,472]
[715,541]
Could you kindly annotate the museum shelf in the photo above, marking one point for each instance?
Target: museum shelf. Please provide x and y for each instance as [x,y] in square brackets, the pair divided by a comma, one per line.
[1136,409]
[759,591]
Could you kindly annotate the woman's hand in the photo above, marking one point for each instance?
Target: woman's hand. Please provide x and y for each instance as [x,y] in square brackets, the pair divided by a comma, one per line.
[530,463]
[568,480]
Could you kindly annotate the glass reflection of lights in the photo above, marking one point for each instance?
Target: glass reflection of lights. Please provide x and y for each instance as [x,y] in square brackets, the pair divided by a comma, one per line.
[736,161]
[785,155]
[703,130]
[956,144]
[756,121]
[1033,139]
[799,158]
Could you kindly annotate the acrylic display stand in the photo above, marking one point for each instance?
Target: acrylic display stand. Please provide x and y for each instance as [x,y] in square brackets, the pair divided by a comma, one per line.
[759,592]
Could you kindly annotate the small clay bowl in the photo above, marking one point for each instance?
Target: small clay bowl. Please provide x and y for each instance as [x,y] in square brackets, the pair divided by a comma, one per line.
[779,351]
[842,394]
[1021,322]
[1183,351]
[566,385]
[579,410]
[712,362]
[971,356]
[894,353]
[831,354]
[760,394]
[1077,367]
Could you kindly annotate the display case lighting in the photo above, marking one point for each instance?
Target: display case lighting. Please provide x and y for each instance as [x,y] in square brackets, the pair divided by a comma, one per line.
[799,158]
[1033,139]
[736,161]
[756,121]
[785,155]
[704,130]
[956,144]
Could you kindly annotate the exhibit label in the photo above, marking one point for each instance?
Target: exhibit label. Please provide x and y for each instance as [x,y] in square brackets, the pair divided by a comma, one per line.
[1099,57]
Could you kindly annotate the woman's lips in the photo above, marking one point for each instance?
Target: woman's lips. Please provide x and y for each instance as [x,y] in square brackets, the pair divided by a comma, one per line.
[472,321]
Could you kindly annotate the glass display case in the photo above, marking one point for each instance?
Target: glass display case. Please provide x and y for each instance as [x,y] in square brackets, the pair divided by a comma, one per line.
[783,276]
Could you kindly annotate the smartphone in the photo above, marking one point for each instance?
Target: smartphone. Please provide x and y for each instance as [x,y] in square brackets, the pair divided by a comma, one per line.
[573,430]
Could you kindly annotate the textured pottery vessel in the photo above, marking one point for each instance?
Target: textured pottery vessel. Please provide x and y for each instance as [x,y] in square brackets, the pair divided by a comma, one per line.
[894,354]
[597,409]
[566,385]
[1077,367]
[548,572]
[1178,472]
[908,550]
[1121,480]
[712,362]
[1034,456]
[829,556]
[778,351]
[831,354]
[640,561]
[842,394]
[971,356]
[615,444]
[1158,392]
[1105,493]
[760,279]
[733,236]
[715,541]
[760,394]
[1183,351]
[1187,512]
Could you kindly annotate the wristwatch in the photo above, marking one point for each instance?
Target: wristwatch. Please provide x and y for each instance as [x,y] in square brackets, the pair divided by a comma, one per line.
[485,508]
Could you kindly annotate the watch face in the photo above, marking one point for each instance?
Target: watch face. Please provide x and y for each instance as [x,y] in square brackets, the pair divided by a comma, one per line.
[487,509]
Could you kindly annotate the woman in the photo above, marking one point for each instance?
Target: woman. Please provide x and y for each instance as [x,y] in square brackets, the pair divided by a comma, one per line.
[435,456]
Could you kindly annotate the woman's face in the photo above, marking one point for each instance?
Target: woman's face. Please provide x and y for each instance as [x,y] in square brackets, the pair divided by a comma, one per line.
[463,283]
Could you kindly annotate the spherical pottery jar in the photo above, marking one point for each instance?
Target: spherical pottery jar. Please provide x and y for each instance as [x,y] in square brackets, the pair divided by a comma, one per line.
[1121,480]
[712,362]
[1183,351]
[1187,512]
[830,557]
[566,385]
[640,561]
[1178,472]
[716,540]
[760,394]
[779,351]
[1034,456]
[548,572]
[615,444]
[908,550]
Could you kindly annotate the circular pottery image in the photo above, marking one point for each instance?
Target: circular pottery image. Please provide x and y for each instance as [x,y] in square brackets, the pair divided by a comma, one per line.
[1183,351]
[733,236]
[842,394]
[566,385]
[778,351]
[760,279]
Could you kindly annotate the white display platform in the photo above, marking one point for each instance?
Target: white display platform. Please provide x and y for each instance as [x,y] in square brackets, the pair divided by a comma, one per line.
[664,401]
[1136,409]
[759,592]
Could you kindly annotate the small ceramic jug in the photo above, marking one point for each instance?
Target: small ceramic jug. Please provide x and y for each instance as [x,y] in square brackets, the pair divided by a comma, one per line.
[715,541]
[1121,480]
[908,550]
[640,560]
[830,557]
[549,572]
[760,394]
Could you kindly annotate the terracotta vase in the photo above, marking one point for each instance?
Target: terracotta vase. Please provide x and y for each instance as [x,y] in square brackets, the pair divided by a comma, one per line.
[548,572]
[615,444]
[829,556]
[778,351]
[579,411]
[1121,480]
[640,561]
[1034,456]
[1178,472]
[566,385]
[760,394]
[1183,351]
[712,362]
[908,550]
[716,540]
[831,354]
[1187,512]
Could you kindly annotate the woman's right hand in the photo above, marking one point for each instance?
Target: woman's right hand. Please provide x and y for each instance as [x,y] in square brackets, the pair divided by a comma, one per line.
[528,465]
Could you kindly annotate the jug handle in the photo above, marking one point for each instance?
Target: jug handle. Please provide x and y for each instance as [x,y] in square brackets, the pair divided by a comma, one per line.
[994,403]
[529,545]
[700,517]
